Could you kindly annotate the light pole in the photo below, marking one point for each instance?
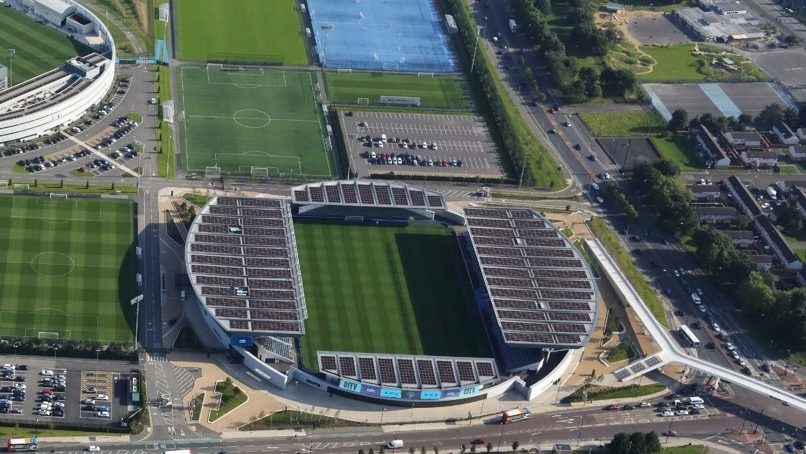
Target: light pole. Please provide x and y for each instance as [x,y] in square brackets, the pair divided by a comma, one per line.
[786,368]
[55,349]
[97,361]
[668,432]
[16,346]
[500,437]
[136,300]
[475,48]
[581,423]
[383,412]
[11,53]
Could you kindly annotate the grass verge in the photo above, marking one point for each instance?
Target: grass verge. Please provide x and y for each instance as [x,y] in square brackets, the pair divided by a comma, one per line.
[675,149]
[596,392]
[690,449]
[616,124]
[621,352]
[293,419]
[123,44]
[678,63]
[165,153]
[231,398]
[134,116]
[75,188]
[198,403]
[27,432]
[197,199]
[627,266]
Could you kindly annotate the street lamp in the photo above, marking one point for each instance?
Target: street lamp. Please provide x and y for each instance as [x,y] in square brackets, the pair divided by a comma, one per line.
[326,28]
[97,363]
[475,48]
[16,346]
[786,368]
[383,412]
[55,349]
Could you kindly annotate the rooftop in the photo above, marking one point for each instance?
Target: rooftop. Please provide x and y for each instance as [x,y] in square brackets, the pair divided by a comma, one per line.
[367,193]
[744,196]
[786,251]
[717,211]
[540,288]
[712,25]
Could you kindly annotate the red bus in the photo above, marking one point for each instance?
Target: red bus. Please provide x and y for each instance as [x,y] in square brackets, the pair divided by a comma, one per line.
[22,444]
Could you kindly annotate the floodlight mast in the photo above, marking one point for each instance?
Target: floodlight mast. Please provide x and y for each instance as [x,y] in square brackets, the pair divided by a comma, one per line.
[11,53]
[326,28]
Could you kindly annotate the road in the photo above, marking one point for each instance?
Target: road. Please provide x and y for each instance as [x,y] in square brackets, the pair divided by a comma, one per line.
[587,426]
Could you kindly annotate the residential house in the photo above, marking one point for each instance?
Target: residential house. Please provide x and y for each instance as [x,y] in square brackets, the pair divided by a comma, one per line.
[759,158]
[762,260]
[705,192]
[744,199]
[801,132]
[799,195]
[797,152]
[772,236]
[746,139]
[716,214]
[740,237]
[705,143]
[785,133]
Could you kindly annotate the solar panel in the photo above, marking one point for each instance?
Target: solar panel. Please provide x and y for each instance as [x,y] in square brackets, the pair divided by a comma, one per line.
[382,194]
[328,363]
[349,192]
[446,373]
[427,375]
[333,193]
[366,368]
[466,373]
[317,195]
[406,369]
[485,369]
[347,366]
[386,367]
[301,196]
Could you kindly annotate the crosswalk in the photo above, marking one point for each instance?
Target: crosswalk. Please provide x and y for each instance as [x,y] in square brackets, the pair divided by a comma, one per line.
[156,357]
[453,194]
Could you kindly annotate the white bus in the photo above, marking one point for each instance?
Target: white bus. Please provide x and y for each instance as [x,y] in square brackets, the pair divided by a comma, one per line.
[689,336]
[22,444]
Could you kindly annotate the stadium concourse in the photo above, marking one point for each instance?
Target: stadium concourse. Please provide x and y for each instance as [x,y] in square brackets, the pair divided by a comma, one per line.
[534,293]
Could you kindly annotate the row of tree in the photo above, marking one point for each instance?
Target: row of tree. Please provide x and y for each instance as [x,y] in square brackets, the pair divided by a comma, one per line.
[666,197]
[621,200]
[770,115]
[576,82]
[522,146]
[67,347]
[782,313]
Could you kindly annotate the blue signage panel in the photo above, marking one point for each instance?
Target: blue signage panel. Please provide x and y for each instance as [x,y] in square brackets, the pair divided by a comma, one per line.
[391,393]
[469,391]
[451,393]
[370,390]
[242,341]
[431,395]
[350,385]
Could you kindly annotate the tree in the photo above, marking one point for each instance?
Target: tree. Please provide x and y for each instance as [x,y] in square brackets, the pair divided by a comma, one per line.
[544,6]
[679,120]
[769,116]
[617,82]
[791,220]
[360,451]
[515,445]
[742,221]
[790,40]
[668,167]
[412,450]
[489,446]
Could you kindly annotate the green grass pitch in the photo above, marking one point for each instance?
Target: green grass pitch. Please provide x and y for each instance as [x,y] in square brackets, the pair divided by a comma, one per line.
[396,288]
[38,49]
[255,117]
[445,92]
[256,31]
[67,268]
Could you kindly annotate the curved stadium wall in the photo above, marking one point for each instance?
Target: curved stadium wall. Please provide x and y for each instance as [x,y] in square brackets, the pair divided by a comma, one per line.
[72,108]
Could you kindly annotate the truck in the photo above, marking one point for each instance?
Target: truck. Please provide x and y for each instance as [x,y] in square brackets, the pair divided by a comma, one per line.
[513,26]
[772,193]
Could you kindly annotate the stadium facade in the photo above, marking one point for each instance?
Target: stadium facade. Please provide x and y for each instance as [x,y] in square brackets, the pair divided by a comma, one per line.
[536,296]
[45,103]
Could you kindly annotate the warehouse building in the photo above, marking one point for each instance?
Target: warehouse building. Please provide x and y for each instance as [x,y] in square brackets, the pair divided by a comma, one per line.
[712,26]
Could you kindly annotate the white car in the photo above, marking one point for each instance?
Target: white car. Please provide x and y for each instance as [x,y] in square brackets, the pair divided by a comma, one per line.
[702,308]
[729,346]
[606,176]
[599,199]
[595,186]
[90,390]
[101,397]
[645,404]
[93,449]
[676,273]
[698,406]
[715,327]
[44,412]
[88,402]
[103,414]
[46,372]
[667,413]
[681,412]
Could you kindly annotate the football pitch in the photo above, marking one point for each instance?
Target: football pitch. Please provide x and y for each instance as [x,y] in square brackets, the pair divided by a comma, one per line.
[395,288]
[37,48]
[68,268]
[244,31]
[252,121]
[446,92]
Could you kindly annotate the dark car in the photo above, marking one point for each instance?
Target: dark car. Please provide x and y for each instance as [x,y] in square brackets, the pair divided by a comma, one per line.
[612,407]
[577,146]
[21,367]
[766,368]
[800,444]
[172,322]
[478,441]
[628,407]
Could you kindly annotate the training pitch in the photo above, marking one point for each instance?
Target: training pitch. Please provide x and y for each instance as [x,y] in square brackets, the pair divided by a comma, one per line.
[252,121]
[389,288]
[245,31]
[68,268]
[434,91]
[37,48]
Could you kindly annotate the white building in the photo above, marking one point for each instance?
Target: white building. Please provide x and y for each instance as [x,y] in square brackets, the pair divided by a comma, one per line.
[785,134]
[797,152]
[3,78]
[42,105]
[760,158]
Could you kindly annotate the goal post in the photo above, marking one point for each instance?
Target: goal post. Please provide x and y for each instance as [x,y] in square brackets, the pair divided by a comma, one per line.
[344,70]
[58,195]
[259,171]
[354,219]
[425,74]
[215,66]
[23,186]
[48,335]
[212,170]
[363,101]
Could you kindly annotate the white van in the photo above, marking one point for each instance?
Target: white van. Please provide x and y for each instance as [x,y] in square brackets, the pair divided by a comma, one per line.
[139,280]
[383,138]
[182,295]
[696,400]
[395,444]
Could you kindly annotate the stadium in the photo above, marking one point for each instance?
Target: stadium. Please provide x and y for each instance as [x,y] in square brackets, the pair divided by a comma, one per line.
[377,291]
[43,104]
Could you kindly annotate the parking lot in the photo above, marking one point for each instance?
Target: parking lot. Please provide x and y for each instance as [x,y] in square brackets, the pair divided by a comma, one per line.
[749,98]
[35,391]
[626,152]
[420,144]
[657,29]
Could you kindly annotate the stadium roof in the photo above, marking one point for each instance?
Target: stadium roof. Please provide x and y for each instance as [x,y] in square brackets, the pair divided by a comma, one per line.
[408,371]
[541,289]
[367,194]
[242,261]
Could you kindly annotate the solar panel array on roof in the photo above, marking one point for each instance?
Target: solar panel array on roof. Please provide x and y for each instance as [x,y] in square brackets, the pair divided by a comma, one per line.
[366,193]
[242,261]
[541,290]
[403,371]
